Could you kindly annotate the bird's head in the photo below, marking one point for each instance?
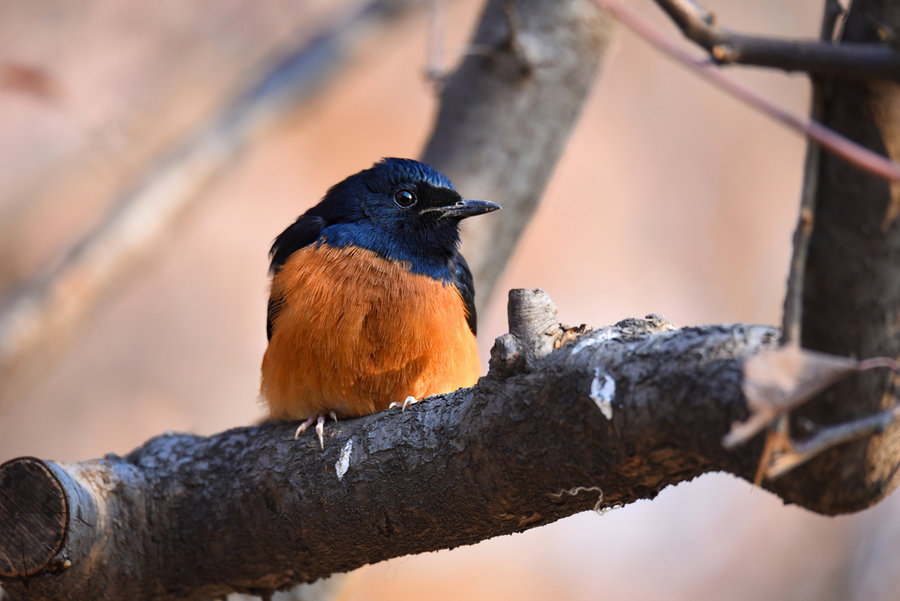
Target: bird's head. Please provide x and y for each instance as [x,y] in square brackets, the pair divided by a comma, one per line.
[401,209]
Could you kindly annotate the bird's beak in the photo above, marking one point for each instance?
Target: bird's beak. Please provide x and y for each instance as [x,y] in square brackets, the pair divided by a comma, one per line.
[464,208]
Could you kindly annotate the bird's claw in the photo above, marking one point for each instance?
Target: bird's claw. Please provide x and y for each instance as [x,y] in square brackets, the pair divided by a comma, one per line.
[320,431]
[319,420]
[302,427]
[406,403]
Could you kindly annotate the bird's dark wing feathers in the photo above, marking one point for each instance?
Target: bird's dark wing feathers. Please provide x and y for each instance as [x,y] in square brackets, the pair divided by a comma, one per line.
[302,232]
[462,279]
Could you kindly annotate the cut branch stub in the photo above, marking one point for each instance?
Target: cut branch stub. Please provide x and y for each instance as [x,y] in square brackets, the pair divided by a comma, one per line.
[534,332]
[34,517]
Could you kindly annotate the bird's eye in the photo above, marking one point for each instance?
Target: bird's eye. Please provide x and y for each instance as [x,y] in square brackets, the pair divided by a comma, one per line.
[405,198]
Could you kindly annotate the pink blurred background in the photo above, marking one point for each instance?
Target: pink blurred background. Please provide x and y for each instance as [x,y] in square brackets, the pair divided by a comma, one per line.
[670,198]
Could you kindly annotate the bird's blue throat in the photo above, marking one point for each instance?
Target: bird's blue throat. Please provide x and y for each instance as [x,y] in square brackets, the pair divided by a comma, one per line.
[426,253]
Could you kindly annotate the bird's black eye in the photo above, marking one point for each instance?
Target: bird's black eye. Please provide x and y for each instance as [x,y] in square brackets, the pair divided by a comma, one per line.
[405,198]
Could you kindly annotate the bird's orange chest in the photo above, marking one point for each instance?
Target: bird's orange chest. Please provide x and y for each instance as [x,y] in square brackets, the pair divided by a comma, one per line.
[356,332]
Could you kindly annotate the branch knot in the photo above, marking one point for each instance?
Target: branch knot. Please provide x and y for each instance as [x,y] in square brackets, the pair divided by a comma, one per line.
[534,332]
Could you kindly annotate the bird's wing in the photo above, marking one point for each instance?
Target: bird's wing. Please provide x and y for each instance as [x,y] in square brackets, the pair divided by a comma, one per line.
[302,232]
[462,279]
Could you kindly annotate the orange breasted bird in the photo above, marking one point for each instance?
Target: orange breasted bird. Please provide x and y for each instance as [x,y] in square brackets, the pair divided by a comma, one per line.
[371,301]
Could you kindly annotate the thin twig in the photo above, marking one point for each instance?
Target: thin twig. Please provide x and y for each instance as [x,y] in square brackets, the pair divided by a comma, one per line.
[856,61]
[831,437]
[850,151]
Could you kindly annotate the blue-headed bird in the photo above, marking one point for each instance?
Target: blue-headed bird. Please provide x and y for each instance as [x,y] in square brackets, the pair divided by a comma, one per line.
[371,302]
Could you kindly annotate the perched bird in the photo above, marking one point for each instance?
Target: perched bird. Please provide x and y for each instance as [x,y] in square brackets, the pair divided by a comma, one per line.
[371,302]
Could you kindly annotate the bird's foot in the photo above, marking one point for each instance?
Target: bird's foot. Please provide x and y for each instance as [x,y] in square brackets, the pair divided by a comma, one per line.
[410,400]
[319,421]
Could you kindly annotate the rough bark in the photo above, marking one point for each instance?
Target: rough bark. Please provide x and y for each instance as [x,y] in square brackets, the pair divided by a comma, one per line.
[851,291]
[612,416]
[507,112]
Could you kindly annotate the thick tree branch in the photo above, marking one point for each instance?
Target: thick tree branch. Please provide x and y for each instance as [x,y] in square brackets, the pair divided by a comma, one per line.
[863,60]
[612,416]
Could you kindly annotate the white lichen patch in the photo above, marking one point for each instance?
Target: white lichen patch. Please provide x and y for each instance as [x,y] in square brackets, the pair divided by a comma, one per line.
[343,462]
[596,338]
[586,343]
[603,391]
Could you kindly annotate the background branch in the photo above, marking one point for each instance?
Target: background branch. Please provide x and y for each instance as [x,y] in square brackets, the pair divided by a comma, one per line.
[851,287]
[845,147]
[864,60]
[507,111]
[45,313]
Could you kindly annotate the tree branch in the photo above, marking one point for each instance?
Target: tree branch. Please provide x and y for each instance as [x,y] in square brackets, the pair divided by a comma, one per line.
[507,112]
[851,286]
[793,298]
[253,510]
[830,437]
[868,60]
[846,148]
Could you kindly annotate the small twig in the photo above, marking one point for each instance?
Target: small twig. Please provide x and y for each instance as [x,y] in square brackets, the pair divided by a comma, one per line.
[841,146]
[692,19]
[775,382]
[833,436]
[876,362]
[830,17]
[856,61]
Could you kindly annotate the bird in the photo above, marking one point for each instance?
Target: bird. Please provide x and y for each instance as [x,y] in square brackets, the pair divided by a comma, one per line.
[371,303]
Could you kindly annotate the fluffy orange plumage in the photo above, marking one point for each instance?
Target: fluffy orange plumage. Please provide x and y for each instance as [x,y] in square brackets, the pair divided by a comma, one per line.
[357,332]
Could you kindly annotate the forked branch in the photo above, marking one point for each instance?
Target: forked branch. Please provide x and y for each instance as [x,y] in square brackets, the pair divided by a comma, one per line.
[854,60]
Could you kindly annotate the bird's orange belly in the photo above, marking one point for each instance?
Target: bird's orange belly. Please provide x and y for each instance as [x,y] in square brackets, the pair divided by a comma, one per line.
[356,332]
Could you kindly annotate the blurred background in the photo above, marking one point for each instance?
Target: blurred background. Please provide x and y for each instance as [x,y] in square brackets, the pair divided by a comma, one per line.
[670,198]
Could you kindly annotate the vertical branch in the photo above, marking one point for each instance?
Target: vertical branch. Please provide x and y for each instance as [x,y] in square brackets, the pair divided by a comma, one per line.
[508,110]
[851,282]
[793,300]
